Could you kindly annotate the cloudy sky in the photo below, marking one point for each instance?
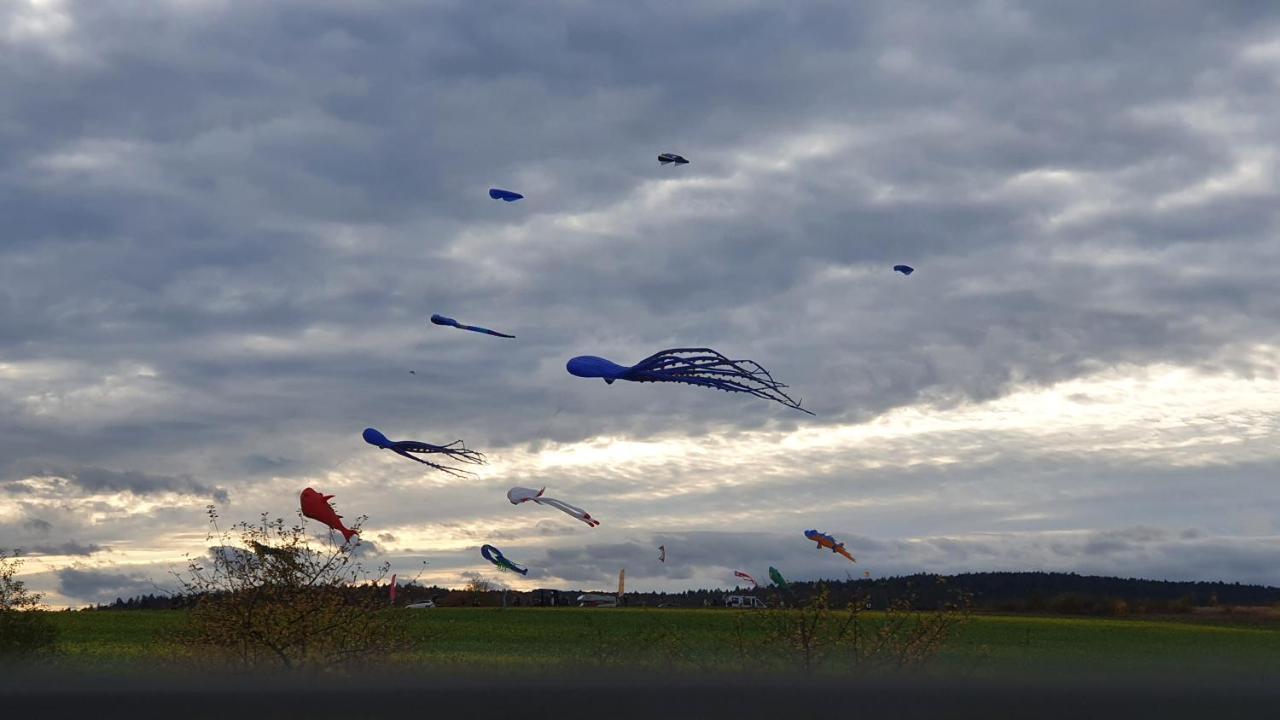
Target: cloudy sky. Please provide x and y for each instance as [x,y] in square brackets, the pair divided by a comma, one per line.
[225,225]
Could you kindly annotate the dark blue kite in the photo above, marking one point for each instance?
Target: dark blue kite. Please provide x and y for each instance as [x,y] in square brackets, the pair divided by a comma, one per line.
[454,450]
[498,194]
[495,556]
[904,269]
[694,366]
[450,322]
[670,158]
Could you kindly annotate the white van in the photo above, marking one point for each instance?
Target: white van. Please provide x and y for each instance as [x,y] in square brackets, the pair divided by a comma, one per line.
[745,602]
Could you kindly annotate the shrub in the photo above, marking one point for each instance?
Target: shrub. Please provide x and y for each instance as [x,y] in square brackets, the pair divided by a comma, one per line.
[817,638]
[24,629]
[267,598]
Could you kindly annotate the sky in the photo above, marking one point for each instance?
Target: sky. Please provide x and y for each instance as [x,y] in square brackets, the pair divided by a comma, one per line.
[226,225]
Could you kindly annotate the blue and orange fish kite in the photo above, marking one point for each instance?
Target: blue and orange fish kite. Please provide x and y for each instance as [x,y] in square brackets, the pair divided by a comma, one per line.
[826,541]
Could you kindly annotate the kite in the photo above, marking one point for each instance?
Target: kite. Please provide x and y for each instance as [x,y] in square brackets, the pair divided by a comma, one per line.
[748,578]
[669,158]
[317,507]
[495,556]
[776,577]
[393,589]
[442,320]
[518,495]
[404,447]
[825,540]
[694,366]
[662,553]
[904,269]
[499,194]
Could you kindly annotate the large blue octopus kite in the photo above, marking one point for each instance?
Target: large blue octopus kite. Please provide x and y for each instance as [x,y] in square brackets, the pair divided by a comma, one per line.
[454,450]
[695,366]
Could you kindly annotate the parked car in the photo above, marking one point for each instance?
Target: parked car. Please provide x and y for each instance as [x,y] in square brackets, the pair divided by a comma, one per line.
[597,600]
[420,605]
[745,602]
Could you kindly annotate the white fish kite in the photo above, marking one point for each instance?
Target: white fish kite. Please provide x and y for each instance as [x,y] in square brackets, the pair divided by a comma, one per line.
[518,495]
[662,553]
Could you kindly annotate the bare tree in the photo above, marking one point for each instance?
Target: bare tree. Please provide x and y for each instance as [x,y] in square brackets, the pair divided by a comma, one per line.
[816,637]
[268,598]
[477,588]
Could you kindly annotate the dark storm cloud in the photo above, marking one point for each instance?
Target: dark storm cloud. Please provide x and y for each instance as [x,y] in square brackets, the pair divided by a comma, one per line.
[227,224]
[101,480]
[56,535]
[365,549]
[261,464]
[94,480]
[37,525]
[70,547]
[102,586]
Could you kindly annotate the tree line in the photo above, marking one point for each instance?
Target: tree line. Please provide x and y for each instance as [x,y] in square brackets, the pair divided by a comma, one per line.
[1010,592]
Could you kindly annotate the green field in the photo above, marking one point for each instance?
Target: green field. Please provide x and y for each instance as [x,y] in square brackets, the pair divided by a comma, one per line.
[539,641]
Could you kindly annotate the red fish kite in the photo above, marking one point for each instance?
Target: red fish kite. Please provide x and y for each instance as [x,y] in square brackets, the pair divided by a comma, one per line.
[316,507]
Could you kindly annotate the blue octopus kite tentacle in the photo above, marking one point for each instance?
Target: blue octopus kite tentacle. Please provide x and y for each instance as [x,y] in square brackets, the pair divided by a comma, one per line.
[708,368]
[455,450]
[455,472]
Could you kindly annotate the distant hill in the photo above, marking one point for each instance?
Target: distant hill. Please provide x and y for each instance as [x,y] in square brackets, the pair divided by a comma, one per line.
[1040,592]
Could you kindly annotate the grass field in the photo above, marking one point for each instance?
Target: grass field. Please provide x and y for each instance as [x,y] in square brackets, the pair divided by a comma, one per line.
[539,641]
